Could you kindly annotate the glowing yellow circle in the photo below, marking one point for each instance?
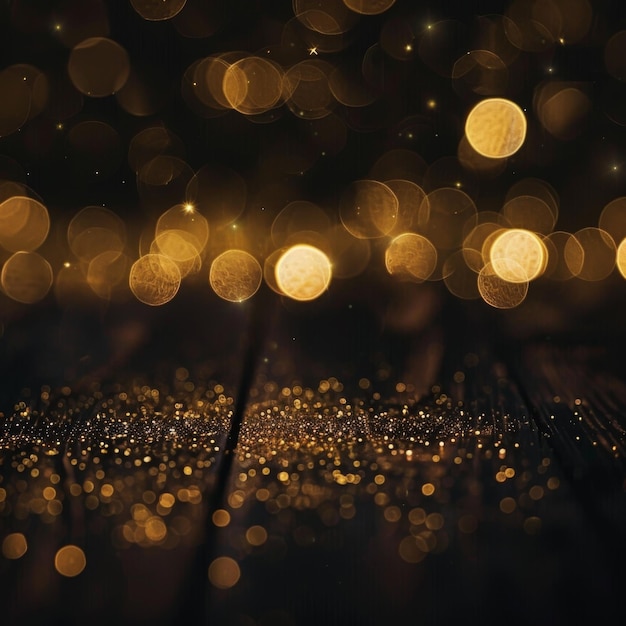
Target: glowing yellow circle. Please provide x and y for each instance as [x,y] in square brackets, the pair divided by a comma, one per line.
[303,272]
[496,128]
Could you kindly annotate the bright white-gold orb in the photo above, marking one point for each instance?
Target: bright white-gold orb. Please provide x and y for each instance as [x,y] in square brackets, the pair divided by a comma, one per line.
[303,272]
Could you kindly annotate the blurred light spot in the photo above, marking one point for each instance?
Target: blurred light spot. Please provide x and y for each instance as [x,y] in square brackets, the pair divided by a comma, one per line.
[98,66]
[411,257]
[256,535]
[154,279]
[598,254]
[369,7]
[235,275]
[500,293]
[303,272]
[518,255]
[224,572]
[26,277]
[70,561]
[615,55]
[14,546]
[444,214]
[496,128]
[156,10]
[368,209]
[24,224]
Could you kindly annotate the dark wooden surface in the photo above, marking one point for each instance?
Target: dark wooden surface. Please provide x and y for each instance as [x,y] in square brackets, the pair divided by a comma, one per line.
[343,508]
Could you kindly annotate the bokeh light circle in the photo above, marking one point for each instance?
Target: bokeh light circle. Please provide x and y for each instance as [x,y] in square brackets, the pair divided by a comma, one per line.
[500,293]
[496,128]
[26,277]
[154,279]
[157,10]
[98,67]
[368,209]
[70,561]
[518,255]
[303,272]
[411,256]
[235,275]
[14,546]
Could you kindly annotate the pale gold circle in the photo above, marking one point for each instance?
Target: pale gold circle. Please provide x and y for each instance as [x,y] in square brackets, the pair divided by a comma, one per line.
[411,256]
[26,277]
[154,279]
[500,293]
[235,275]
[303,272]
[496,128]
[518,255]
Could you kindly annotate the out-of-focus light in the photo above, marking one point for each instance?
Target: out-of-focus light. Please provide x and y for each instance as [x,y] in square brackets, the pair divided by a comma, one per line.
[224,572]
[235,275]
[14,546]
[411,257]
[518,255]
[496,128]
[154,279]
[70,561]
[303,272]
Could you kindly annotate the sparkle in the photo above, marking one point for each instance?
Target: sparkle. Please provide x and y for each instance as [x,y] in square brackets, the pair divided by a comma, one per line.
[313,51]
[189,208]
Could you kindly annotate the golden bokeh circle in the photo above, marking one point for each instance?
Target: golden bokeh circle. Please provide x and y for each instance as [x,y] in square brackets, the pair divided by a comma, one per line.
[518,255]
[98,67]
[303,272]
[496,128]
[70,561]
[235,275]
[621,258]
[369,7]
[411,256]
[14,546]
[368,209]
[24,224]
[500,293]
[158,10]
[224,572]
[154,279]
[26,277]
